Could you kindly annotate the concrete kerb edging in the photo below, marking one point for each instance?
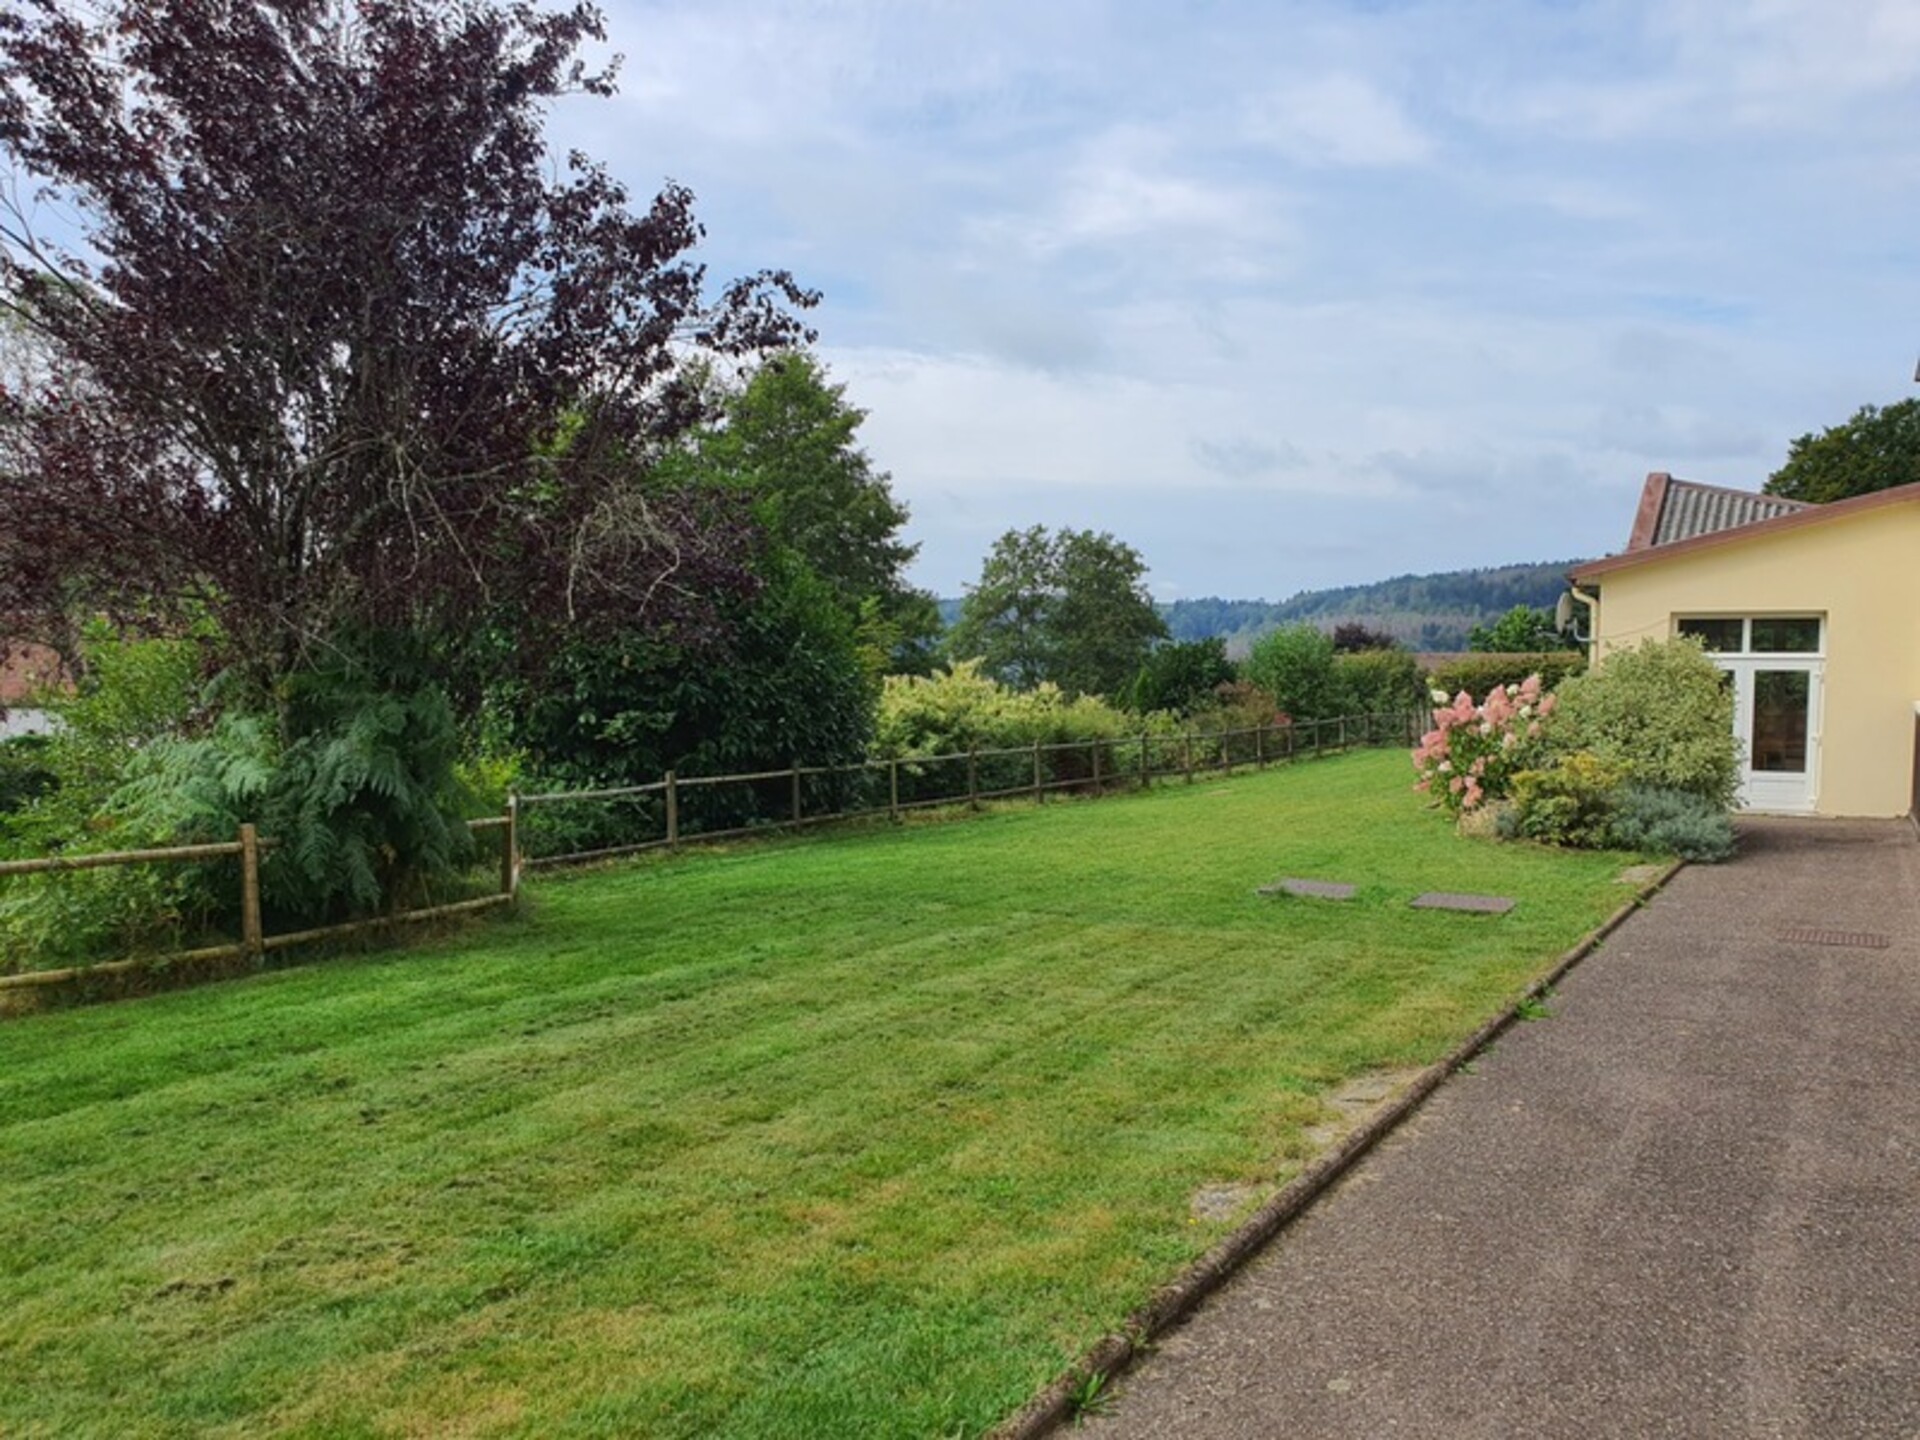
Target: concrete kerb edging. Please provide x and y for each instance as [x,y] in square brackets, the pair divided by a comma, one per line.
[1112,1354]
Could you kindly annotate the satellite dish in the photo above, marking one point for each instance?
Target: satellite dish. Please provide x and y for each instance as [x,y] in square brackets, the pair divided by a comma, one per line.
[1563,612]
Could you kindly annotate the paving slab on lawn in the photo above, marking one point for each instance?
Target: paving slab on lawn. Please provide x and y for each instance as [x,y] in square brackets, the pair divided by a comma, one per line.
[1472,904]
[1315,889]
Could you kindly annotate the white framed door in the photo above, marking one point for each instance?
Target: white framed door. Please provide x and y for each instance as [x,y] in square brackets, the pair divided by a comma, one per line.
[1775,666]
[1776,714]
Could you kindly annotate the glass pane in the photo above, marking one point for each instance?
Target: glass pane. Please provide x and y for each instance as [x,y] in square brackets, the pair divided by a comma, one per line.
[1779,741]
[1722,635]
[1799,635]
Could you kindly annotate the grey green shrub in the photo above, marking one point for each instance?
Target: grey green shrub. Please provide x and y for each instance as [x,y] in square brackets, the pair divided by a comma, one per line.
[1670,822]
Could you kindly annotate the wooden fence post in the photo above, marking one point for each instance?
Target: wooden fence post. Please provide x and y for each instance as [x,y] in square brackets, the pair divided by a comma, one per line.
[973,777]
[893,791]
[1186,755]
[1343,733]
[1039,790]
[252,933]
[796,792]
[1096,767]
[1260,746]
[673,811]
[510,849]
[1145,779]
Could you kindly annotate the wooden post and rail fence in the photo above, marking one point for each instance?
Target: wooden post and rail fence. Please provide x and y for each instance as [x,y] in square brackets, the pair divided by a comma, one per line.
[255,943]
[1088,766]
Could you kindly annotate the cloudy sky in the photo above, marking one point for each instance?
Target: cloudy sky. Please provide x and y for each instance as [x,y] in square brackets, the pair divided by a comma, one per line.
[1298,294]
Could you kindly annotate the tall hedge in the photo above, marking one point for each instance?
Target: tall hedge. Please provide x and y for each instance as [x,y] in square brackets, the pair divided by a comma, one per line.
[1478,673]
[1378,682]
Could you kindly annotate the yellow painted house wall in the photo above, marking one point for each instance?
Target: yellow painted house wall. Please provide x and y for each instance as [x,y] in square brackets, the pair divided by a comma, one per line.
[1862,572]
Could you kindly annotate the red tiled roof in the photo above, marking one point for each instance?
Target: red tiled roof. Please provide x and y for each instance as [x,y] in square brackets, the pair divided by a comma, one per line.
[1713,516]
[1673,510]
[25,669]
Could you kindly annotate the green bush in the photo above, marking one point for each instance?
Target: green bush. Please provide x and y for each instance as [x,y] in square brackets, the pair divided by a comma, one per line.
[1571,803]
[963,708]
[1661,714]
[1295,665]
[365,802]
[1671,822]
[1181,677]
[131,693]
[1477,674]
[788,683]
[134,697]
[1379,682]
[25,775]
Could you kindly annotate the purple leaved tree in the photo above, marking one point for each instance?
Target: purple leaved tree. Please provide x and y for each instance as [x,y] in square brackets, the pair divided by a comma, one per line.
[334,344]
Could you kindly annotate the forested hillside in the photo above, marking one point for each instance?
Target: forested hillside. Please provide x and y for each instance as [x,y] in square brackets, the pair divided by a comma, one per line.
[1425,612]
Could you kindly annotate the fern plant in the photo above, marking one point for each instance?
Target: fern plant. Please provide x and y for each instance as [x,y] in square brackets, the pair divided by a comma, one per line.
[366,800]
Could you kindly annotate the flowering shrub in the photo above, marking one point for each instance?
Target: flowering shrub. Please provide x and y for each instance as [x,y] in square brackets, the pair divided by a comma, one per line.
[1473,751]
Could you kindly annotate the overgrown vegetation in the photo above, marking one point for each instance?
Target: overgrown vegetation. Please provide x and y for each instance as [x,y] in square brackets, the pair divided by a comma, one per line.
[361,386]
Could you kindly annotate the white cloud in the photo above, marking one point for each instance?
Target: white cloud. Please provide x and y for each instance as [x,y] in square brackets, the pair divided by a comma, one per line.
[1688,69]
[1340,119]
[1292,292]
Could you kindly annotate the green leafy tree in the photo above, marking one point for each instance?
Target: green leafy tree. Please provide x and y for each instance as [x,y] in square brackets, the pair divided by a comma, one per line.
[1071,608]
[1006,619]
[1104,621]
[1181,676]
[788,439]
[1523,630]
[1876,450]
[788,684]
[1295,665]
[1356,637]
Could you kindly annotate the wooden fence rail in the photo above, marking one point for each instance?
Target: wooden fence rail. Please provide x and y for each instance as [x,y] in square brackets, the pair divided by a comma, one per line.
[254,942]
[1134,761]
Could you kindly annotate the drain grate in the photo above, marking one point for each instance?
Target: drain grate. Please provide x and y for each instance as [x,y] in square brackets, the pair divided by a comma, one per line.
[1845,939]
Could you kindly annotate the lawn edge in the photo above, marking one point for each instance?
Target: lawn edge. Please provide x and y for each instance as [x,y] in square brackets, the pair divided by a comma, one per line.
[1112,1354]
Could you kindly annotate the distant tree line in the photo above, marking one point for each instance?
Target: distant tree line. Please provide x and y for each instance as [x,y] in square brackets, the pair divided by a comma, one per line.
[1422,612]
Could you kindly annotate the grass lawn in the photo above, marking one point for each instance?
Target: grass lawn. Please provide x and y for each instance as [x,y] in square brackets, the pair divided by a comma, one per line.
[866,1134]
